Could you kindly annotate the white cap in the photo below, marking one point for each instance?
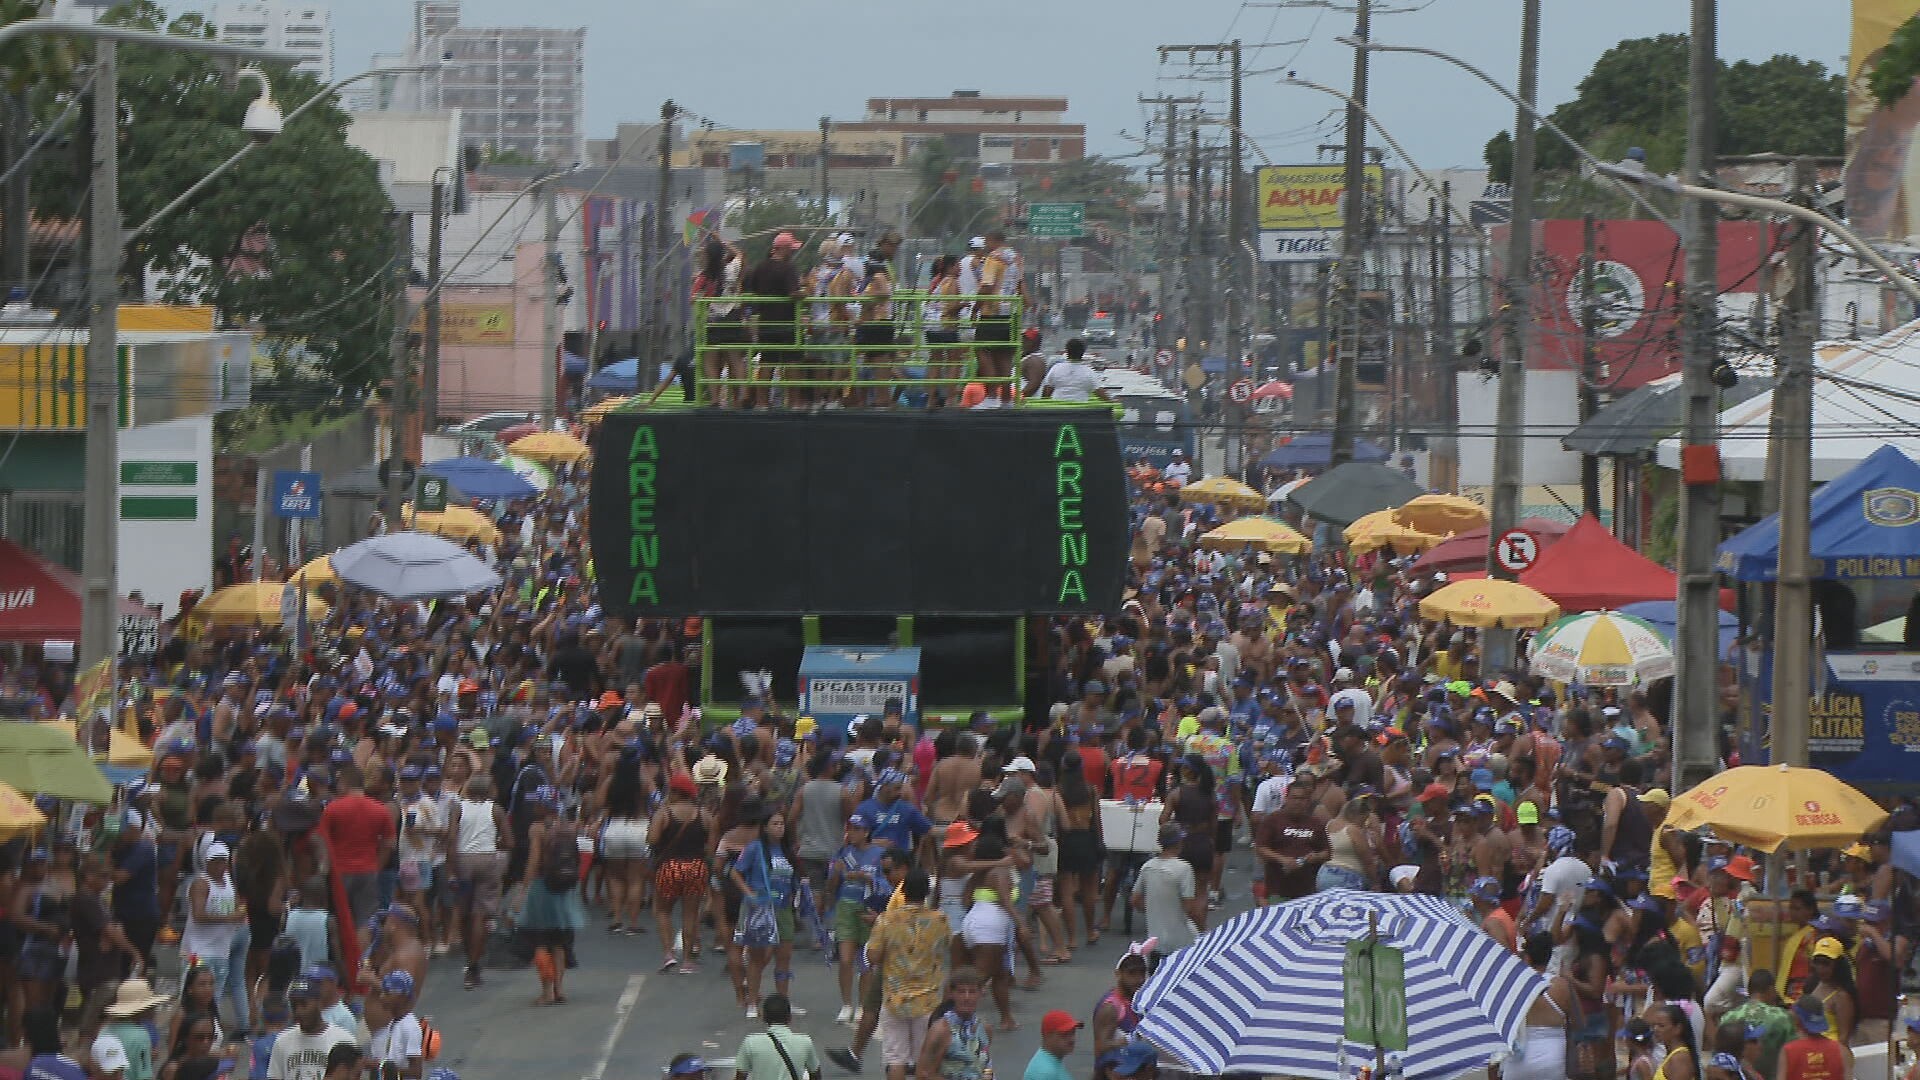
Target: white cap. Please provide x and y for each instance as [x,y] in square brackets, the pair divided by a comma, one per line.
[978,243]
[218,850]
[1402,874]
[109,1056]
[1343,673]
[1020,764]
[845,239]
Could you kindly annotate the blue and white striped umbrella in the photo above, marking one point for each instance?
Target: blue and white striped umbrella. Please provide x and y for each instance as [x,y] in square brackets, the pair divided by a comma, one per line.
[1261,993]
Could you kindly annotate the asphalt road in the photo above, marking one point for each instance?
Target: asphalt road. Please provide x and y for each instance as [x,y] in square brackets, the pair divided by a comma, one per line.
[626,1019]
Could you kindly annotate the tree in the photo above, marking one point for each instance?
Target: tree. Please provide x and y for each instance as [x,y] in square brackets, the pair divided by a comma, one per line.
[1105,186]
[1636,95]
[36,66]
[1891,72]
[761,218]
[946,202]
[295,239]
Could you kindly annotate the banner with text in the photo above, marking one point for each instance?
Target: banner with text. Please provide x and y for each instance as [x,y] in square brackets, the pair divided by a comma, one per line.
[1309,196]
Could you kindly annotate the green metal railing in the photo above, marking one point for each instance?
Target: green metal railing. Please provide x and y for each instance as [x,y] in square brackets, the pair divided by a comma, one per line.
[822,354]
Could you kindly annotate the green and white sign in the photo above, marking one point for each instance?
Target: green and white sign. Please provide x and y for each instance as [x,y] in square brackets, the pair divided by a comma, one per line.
[431,498]
[1057,220]
[159,473]
[1374,983]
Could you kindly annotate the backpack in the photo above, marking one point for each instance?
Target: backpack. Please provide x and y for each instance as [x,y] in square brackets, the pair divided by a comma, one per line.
[560,867]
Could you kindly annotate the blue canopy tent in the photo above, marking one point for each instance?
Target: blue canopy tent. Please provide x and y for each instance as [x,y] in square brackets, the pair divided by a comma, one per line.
[572,365]
[1865,524]
[619,377]
[478,478]
[1864,543]
[1315,451]
[1664,617]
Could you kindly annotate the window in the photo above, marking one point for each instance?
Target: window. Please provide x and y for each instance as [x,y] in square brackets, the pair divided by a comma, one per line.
[996,142]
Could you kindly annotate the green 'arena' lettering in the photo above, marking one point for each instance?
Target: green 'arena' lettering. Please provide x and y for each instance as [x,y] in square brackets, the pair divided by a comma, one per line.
[1068,472]
[643,551]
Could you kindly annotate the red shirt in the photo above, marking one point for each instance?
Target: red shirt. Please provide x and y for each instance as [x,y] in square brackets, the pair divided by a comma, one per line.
[1136,779]
[666,683]
[1813,1057]
[353,827]
[1093,761]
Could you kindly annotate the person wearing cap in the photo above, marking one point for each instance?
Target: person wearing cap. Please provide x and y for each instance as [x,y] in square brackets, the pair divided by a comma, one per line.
[128,1020]
[1831,984]
[1495,920]
[398,1047]
[775,287]
[215,916]
[1815,1054]
[894,821]
[422,831]
[300,1053]
[854,874]
[994,329]
[1059,1032]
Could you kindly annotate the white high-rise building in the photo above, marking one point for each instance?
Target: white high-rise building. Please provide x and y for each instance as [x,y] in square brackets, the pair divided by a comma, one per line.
[306,29]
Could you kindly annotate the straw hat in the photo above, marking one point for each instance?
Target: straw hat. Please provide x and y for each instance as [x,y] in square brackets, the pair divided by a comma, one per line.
[135,996]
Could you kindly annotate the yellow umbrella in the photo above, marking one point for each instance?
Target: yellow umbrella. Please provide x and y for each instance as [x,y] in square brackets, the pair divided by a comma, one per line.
[1274,537]
[18,816]
[1773,806]
[255,602]
[1441,514]
[316,572]
[123,750]
[1490,603]
[461,523]
[551,448]
[1378,530]
[598,410]
[1224,491]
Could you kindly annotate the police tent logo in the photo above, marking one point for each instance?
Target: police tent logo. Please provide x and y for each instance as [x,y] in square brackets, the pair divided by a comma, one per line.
[1892,508]
[1619,297]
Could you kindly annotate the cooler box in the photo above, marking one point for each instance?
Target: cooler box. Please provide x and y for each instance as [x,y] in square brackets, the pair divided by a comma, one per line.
[1132,827]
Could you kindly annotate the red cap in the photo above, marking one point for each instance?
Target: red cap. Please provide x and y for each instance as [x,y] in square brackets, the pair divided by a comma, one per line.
[349,711]
[1435,791]
[684,784]
[1058,1022]
[468,686]
[1742,868]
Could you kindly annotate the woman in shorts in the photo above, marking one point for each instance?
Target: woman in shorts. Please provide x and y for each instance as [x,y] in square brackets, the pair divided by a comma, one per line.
[764,875]
[678,836]
[624,853]
[988,927]
[727,335]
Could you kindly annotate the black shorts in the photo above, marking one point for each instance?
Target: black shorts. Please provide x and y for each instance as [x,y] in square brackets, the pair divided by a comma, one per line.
[874,334]
[998,332]
[943,337]
[728,333]
[1223,836]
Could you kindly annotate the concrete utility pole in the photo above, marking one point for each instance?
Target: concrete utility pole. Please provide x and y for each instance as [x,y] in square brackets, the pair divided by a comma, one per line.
[1697,641]
[400,372]
[1346,404]
[1793,413]
[549,309]
[1444,356]
[1196,313]
[99,557]
[1589,361]
[826,151]
[430,344]
[657,335]
[1509,443]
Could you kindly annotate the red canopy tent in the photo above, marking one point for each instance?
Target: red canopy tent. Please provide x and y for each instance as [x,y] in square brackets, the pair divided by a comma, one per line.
[1589,569]
[1468,550]
[40,600]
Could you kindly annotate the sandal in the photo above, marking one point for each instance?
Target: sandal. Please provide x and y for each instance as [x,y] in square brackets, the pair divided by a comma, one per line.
[1057,959]
[1093,936]
[669,962]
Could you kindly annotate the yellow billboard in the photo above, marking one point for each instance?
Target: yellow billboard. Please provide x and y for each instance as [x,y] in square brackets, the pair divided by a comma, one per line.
[1874,22]
[472,324]
[1307,196]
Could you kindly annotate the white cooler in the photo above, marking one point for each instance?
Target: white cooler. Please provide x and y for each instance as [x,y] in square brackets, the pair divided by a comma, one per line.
[1133,827]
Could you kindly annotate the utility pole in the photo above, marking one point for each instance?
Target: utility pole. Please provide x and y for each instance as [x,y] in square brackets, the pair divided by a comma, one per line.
[15,196]
[549,309]
[399,373]
[1696,652]
[1346,406]
[430,344]
[1589,362]
[826,151]
[1239,287]
[1793,412]
[658,337]
[1194,353]
[100,544]
[1444,357]
[1509,440]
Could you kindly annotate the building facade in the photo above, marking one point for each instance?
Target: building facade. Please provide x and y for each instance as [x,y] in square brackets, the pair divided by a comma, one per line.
[520,91]
[306,29]
[1013,131]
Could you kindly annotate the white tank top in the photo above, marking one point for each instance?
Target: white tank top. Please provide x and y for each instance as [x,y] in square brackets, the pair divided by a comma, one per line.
[212,939]
[477,833]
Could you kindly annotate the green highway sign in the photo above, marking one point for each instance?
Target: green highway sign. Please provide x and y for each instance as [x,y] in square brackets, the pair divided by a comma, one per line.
[1374,984]
[1057,220]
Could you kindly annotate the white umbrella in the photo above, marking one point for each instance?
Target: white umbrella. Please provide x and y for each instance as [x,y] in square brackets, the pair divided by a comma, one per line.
[1602,648]
[1280,493]
[413,566]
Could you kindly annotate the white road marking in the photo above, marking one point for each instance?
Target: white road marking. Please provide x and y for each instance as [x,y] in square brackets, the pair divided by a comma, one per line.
[622,1012]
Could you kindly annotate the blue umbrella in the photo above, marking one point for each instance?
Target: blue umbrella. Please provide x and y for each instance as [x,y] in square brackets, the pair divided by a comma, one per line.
[478,478]
[1661,613]
[621,377]
[1263,993]
[1315,451]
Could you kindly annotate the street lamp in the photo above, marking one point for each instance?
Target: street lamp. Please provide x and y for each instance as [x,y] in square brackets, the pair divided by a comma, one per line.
[100,522]
[263,122]
[1579,151]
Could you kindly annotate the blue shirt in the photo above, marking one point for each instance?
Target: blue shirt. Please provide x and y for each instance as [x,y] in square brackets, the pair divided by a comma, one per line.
[55,1067]
[900,825]
[137,897]
[849,863]
[1045,1066]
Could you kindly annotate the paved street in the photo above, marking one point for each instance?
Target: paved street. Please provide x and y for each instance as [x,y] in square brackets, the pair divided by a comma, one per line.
[624,1019]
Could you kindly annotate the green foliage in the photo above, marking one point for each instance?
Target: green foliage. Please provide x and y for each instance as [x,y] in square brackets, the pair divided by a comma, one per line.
[1893,73]
[946,206]
[1499,158]
[761,219]
[1106,187]
[1636,95]
[295,239]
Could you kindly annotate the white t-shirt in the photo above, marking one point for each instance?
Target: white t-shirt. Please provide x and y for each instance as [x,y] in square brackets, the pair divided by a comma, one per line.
[1178,469]
[1565,879]
[414,841]
[1071,380]
[299,1056]
[1267,797]
[397,1042]
[1362,704]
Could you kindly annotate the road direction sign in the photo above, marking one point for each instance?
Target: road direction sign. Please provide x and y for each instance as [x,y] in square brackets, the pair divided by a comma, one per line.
[1516,549]
[1241,391]
[1164,358]
[1058,220]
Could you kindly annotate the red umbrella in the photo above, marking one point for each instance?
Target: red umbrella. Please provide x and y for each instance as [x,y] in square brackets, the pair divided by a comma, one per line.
[1283,391]
[1468,550]
[517,432]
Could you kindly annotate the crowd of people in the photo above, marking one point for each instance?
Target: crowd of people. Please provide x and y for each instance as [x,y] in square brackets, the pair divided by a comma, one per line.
[498,776]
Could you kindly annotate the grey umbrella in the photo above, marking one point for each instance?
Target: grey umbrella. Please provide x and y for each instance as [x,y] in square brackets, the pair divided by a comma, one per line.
[1346,493]
[413,566]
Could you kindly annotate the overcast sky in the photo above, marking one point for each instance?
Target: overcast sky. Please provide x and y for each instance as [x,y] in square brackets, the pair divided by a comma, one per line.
[784,63]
